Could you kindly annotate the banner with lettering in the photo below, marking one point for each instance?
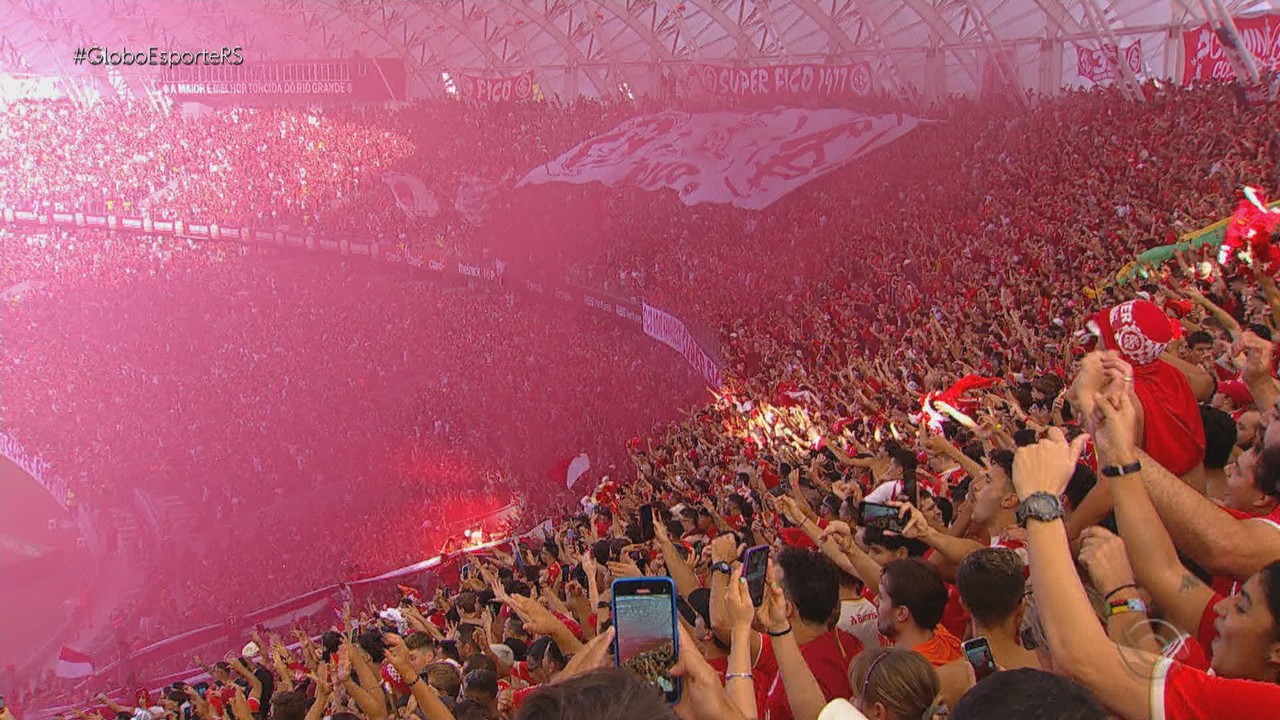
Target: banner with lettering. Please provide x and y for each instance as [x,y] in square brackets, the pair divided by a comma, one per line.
[36,467]
[1206,57]
[792,81]
[671,331]
[748,159]
[1102,64]
[515,88]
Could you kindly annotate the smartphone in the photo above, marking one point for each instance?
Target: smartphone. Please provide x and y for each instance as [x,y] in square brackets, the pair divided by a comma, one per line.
[978,652]
[880,517]
[755,564]
[646,639]
[646,523]
[911,489]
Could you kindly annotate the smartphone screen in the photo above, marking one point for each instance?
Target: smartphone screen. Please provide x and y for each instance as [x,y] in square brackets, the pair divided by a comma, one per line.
[978,652]
[880,517]
[911,489]
[755,564]
[645,636]
[646,523]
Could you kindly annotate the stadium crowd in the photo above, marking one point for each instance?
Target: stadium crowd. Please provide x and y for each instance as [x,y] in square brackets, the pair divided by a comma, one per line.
[1081,471]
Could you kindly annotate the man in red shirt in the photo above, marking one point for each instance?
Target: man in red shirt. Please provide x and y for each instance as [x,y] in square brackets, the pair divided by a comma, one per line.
[803,619]
[1222,544]
[1132,684]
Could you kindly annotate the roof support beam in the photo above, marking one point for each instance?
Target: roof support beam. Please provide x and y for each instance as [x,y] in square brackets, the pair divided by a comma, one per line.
[571,50]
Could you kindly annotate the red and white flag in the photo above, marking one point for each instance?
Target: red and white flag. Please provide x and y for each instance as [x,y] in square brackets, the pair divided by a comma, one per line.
[412,195]
[749,159]
[72,664]
[569,469]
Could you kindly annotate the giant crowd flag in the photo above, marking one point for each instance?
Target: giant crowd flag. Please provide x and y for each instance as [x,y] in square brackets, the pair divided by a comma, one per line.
[749,159]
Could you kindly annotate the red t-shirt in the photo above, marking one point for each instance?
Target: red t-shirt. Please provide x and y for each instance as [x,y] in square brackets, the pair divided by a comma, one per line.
[761,672]
[955,618]
[828,657]
[519,696]
[1206,633]
[1182,693]
[1226,585]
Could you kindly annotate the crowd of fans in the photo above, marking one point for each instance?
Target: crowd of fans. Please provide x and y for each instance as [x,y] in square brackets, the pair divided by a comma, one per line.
[276,391]
[1084,472]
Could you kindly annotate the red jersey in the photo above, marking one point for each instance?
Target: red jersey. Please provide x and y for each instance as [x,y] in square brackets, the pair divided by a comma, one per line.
[828,657]
[1179,692]
[1226,585]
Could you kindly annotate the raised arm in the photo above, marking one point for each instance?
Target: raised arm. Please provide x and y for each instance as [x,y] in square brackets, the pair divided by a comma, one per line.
[683,576]
[1080,647]
[1212,538]
[1147,543]
[425,696]
[804,694]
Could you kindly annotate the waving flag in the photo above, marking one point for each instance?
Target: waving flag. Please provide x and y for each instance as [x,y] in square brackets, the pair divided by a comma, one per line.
[748,159]
[72,664]
[412,195]
[569,469]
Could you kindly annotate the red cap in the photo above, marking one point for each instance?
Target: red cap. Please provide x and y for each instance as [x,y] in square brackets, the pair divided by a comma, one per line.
[797,538]
[1238,392]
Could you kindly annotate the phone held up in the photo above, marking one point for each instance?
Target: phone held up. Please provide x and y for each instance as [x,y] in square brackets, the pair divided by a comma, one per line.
[978,652]
[755,564]
[878,517]
[646,637]
[646,523]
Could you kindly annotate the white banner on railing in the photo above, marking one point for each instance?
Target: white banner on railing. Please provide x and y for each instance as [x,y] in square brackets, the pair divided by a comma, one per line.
[671,331]
[35,466]
[749,159]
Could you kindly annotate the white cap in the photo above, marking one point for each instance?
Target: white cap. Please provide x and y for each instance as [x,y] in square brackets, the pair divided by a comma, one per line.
[504,653]
[841,709]
[250,650]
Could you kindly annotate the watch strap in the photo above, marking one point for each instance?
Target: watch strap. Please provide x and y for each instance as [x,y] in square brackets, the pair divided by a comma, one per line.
[1119,470]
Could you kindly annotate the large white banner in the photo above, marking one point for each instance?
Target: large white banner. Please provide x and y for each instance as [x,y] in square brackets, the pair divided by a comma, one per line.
[749,159]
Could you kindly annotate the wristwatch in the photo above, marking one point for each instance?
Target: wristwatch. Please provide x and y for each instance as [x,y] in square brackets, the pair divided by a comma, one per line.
[1039,506]
[723,567]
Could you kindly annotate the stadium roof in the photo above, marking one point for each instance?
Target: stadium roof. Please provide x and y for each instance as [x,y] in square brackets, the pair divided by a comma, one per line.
[592,47]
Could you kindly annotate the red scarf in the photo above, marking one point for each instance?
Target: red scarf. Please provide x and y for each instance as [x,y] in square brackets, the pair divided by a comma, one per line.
[1172,431]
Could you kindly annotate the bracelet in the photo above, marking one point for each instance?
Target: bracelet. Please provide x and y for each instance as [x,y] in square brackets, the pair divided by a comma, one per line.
[746,675]
[1120,470]
[1128,606]
[416,679]
[770,633]
[1108,596]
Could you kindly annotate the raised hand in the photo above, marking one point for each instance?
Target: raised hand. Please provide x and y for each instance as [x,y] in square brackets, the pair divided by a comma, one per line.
[772,613]
[1048,465]
[1102,553]
[737,601]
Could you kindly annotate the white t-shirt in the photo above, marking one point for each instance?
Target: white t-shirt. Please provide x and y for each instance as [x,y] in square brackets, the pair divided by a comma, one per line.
[859,617]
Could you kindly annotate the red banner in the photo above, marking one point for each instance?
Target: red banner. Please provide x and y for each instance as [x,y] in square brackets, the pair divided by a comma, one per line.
[1103,63]
[517,88]
[808,80]
[1205,58]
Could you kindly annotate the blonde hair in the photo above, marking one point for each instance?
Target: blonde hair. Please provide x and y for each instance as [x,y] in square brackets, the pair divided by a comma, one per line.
[901,680]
